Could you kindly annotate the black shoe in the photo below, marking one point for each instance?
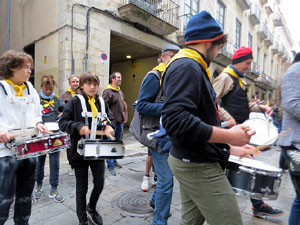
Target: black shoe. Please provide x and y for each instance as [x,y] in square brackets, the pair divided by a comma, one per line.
[153,206]
[94,217]
[117,164]
[83,223]
[266,210]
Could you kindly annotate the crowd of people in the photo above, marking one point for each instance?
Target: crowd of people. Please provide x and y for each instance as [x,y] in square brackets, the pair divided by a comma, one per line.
[179,97]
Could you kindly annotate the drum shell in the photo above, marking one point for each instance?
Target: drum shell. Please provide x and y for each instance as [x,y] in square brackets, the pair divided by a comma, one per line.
[256,184]
[99,150]
[40,145]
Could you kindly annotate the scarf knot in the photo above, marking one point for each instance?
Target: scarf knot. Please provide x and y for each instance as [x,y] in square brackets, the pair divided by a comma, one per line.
[18,88]
[231,70]
[109,86]
[94,109]
[73,93]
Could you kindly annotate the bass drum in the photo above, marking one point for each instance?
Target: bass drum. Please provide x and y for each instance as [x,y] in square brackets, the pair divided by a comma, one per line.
[266,132]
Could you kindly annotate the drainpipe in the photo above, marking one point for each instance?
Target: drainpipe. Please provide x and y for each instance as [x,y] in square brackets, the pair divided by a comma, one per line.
[8,25]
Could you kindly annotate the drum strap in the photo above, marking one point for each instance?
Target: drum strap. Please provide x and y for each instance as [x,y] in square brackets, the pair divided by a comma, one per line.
[22,101]
[100,115]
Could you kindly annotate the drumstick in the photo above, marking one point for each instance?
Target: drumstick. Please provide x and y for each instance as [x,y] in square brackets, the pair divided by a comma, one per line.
[101,132]
[260,147]
[27,133]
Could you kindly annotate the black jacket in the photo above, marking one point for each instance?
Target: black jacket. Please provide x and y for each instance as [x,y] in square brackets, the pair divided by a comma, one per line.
[72,121]
[189,112]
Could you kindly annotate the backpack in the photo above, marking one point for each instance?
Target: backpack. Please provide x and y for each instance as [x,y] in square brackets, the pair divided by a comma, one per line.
[142,125]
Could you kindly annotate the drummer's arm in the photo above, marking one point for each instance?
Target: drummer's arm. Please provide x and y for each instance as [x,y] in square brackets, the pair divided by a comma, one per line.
[5,136]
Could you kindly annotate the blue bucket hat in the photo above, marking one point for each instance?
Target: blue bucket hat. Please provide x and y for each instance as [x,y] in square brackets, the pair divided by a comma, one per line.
[202,27]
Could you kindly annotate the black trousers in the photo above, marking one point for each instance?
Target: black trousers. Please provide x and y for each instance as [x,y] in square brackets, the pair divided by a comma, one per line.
[81,174]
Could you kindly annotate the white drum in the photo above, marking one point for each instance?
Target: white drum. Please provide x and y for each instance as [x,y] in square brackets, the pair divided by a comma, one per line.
[266,132]
[253,178]
[94,149]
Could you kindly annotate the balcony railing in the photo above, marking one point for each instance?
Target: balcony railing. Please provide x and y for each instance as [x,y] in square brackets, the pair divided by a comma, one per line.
[265,80]
[255,68]
[244,4]
[262,31]
[160,16]
[225,54]
[255,14]
[269,39]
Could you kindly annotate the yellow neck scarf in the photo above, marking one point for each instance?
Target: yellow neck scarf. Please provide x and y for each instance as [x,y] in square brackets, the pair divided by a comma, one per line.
[231,72]
[93,106]
[161,67]
[111,87]
[18,88]
[190,53]
[48,103]
[73,93]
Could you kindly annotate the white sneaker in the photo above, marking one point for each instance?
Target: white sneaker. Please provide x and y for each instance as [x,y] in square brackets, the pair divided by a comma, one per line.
[71,173]
[145,183]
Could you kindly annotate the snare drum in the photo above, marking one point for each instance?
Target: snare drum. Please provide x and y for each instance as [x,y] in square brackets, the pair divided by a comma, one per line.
[254,178]
[93,149]
[40,145]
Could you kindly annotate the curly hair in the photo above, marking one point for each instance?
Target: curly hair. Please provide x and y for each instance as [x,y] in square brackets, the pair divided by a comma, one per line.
[12,59]
[48,80]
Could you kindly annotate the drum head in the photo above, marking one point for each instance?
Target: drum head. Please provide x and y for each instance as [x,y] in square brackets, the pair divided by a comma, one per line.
[52,126]
[252,163]
[266,132]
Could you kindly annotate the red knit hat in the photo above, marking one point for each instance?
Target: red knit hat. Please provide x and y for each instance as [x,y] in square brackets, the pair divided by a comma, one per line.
[242,54]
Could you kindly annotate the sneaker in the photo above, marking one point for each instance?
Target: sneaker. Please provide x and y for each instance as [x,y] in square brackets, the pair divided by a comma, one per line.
[39,192]
[145,183]
[154,181]
[266,210]
[117,164]
[71,173]
[56,196]
[112,170]
[94,217]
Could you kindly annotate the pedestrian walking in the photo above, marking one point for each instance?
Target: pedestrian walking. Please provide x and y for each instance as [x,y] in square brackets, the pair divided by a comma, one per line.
[52,110]
[231,90]
[114,97]
[190,118]
[74,123]
[19,110]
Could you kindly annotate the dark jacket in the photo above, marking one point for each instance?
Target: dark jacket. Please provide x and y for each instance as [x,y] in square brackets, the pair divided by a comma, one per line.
[146,101]
[50,113]
[115,101]
[236,103]
[72,121]
[189,112]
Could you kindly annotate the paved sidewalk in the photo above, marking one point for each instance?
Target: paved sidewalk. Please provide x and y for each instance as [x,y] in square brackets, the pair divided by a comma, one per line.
[123,203]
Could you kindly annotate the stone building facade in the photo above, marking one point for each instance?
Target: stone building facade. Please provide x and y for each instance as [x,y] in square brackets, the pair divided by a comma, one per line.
[104,36]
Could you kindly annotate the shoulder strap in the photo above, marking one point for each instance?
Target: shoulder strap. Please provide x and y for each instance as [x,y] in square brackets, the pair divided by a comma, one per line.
[6,88]
[102,107]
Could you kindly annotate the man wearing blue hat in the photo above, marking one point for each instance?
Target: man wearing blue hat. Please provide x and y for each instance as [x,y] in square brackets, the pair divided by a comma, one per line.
[149,105]
[190,117]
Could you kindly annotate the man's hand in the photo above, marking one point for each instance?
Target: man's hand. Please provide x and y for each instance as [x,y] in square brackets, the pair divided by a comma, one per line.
[41,128]
[240,135]
[109,132]
[266,109]
[244,151]
[84,131]
[5,136]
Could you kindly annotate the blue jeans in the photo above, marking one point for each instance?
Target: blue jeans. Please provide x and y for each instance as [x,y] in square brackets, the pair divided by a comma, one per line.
[54,170]
[16,181]
[294,218]
[162,196]
[118,136]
